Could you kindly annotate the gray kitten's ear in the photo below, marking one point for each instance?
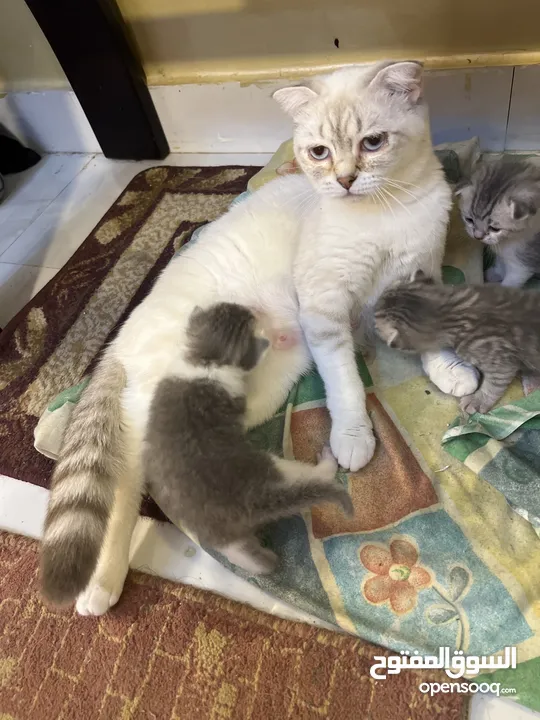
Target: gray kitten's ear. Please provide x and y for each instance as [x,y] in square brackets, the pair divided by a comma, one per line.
[461,186]
[402,78]
[196,314]
[293,99]
[420,276]
[261,346]
[521,208]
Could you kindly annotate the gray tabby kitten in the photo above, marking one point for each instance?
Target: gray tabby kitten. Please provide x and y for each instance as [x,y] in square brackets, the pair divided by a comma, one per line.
[200,467]
[495,328]
[499,205]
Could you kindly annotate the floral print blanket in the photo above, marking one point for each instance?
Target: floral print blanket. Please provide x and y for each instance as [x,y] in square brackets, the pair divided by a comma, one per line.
[434,555]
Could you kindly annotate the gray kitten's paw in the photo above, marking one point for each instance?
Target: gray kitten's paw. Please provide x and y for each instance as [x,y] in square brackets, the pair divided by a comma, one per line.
[327,463]
[266,560]
[352,442]
[250,556]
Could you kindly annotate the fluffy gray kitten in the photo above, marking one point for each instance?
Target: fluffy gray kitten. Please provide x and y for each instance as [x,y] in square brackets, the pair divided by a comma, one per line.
[499,206]
[200,467]
[495,328]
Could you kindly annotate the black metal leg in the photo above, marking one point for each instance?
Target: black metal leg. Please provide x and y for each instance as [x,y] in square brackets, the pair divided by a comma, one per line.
[89,39]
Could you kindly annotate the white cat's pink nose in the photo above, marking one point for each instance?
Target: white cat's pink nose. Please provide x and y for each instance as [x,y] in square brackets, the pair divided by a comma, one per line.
[346,181]
[478,234]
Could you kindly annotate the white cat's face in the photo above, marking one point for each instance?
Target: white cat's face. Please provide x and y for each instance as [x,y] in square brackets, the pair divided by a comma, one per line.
[358,129]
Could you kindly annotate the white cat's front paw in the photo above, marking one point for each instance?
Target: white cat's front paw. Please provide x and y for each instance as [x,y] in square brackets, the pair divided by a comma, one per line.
[352,442]
[451,375]
[99,597]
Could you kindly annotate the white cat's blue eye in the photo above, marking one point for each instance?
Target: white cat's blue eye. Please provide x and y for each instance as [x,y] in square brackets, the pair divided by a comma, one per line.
[371,143]
[493,229]
[319,152]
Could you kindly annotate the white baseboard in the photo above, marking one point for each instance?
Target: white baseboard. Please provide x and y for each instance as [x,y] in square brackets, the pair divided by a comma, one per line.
[232,118]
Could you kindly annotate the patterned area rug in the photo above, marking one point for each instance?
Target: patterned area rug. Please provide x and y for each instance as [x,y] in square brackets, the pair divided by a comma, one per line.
[170,651]
[53,342]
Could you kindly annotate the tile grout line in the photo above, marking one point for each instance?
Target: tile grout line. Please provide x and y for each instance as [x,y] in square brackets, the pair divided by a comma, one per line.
[45,267]
[46,207]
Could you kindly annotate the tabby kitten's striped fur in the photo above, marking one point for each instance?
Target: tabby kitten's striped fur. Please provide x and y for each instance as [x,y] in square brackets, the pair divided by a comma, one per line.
[495,328]
[500,206]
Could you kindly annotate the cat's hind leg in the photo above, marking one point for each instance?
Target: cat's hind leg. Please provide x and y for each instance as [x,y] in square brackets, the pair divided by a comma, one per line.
[295,471]
[450,374]
[306,485]
[105,586]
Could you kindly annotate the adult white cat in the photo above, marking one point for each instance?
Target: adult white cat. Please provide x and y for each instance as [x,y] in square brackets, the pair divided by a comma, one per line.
[371,208]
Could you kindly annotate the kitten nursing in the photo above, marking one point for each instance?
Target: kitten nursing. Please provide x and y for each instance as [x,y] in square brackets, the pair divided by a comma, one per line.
[199,466]
[495,328]
[312,252]
[499,206]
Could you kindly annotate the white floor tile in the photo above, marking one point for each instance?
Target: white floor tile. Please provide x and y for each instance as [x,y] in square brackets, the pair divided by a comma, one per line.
[18,285]
[29,193]
[64,224]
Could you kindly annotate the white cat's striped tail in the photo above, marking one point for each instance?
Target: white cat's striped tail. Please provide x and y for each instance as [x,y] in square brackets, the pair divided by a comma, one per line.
[83,486]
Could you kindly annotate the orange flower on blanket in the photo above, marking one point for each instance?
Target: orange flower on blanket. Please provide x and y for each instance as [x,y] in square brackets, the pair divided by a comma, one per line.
[397,577]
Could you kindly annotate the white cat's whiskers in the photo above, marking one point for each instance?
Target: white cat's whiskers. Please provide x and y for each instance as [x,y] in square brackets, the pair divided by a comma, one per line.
[402,182]
[395,184]
[386,191]
[384,201]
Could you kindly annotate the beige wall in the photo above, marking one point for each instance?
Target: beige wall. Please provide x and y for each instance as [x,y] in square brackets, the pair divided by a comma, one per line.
[219,40]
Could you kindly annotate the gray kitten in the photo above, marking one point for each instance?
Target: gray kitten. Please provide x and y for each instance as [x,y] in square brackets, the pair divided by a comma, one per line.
[200,467]
[495,328]
[499,206]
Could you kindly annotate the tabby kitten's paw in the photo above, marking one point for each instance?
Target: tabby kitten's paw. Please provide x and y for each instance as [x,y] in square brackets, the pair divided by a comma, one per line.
[352,442]
[476,403]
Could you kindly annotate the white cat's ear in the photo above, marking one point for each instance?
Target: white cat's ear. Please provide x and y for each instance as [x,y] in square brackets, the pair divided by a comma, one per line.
[403,78]
[293,99]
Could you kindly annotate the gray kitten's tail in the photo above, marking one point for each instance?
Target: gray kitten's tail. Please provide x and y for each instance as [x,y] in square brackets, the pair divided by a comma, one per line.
[83,486]
[295,498]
